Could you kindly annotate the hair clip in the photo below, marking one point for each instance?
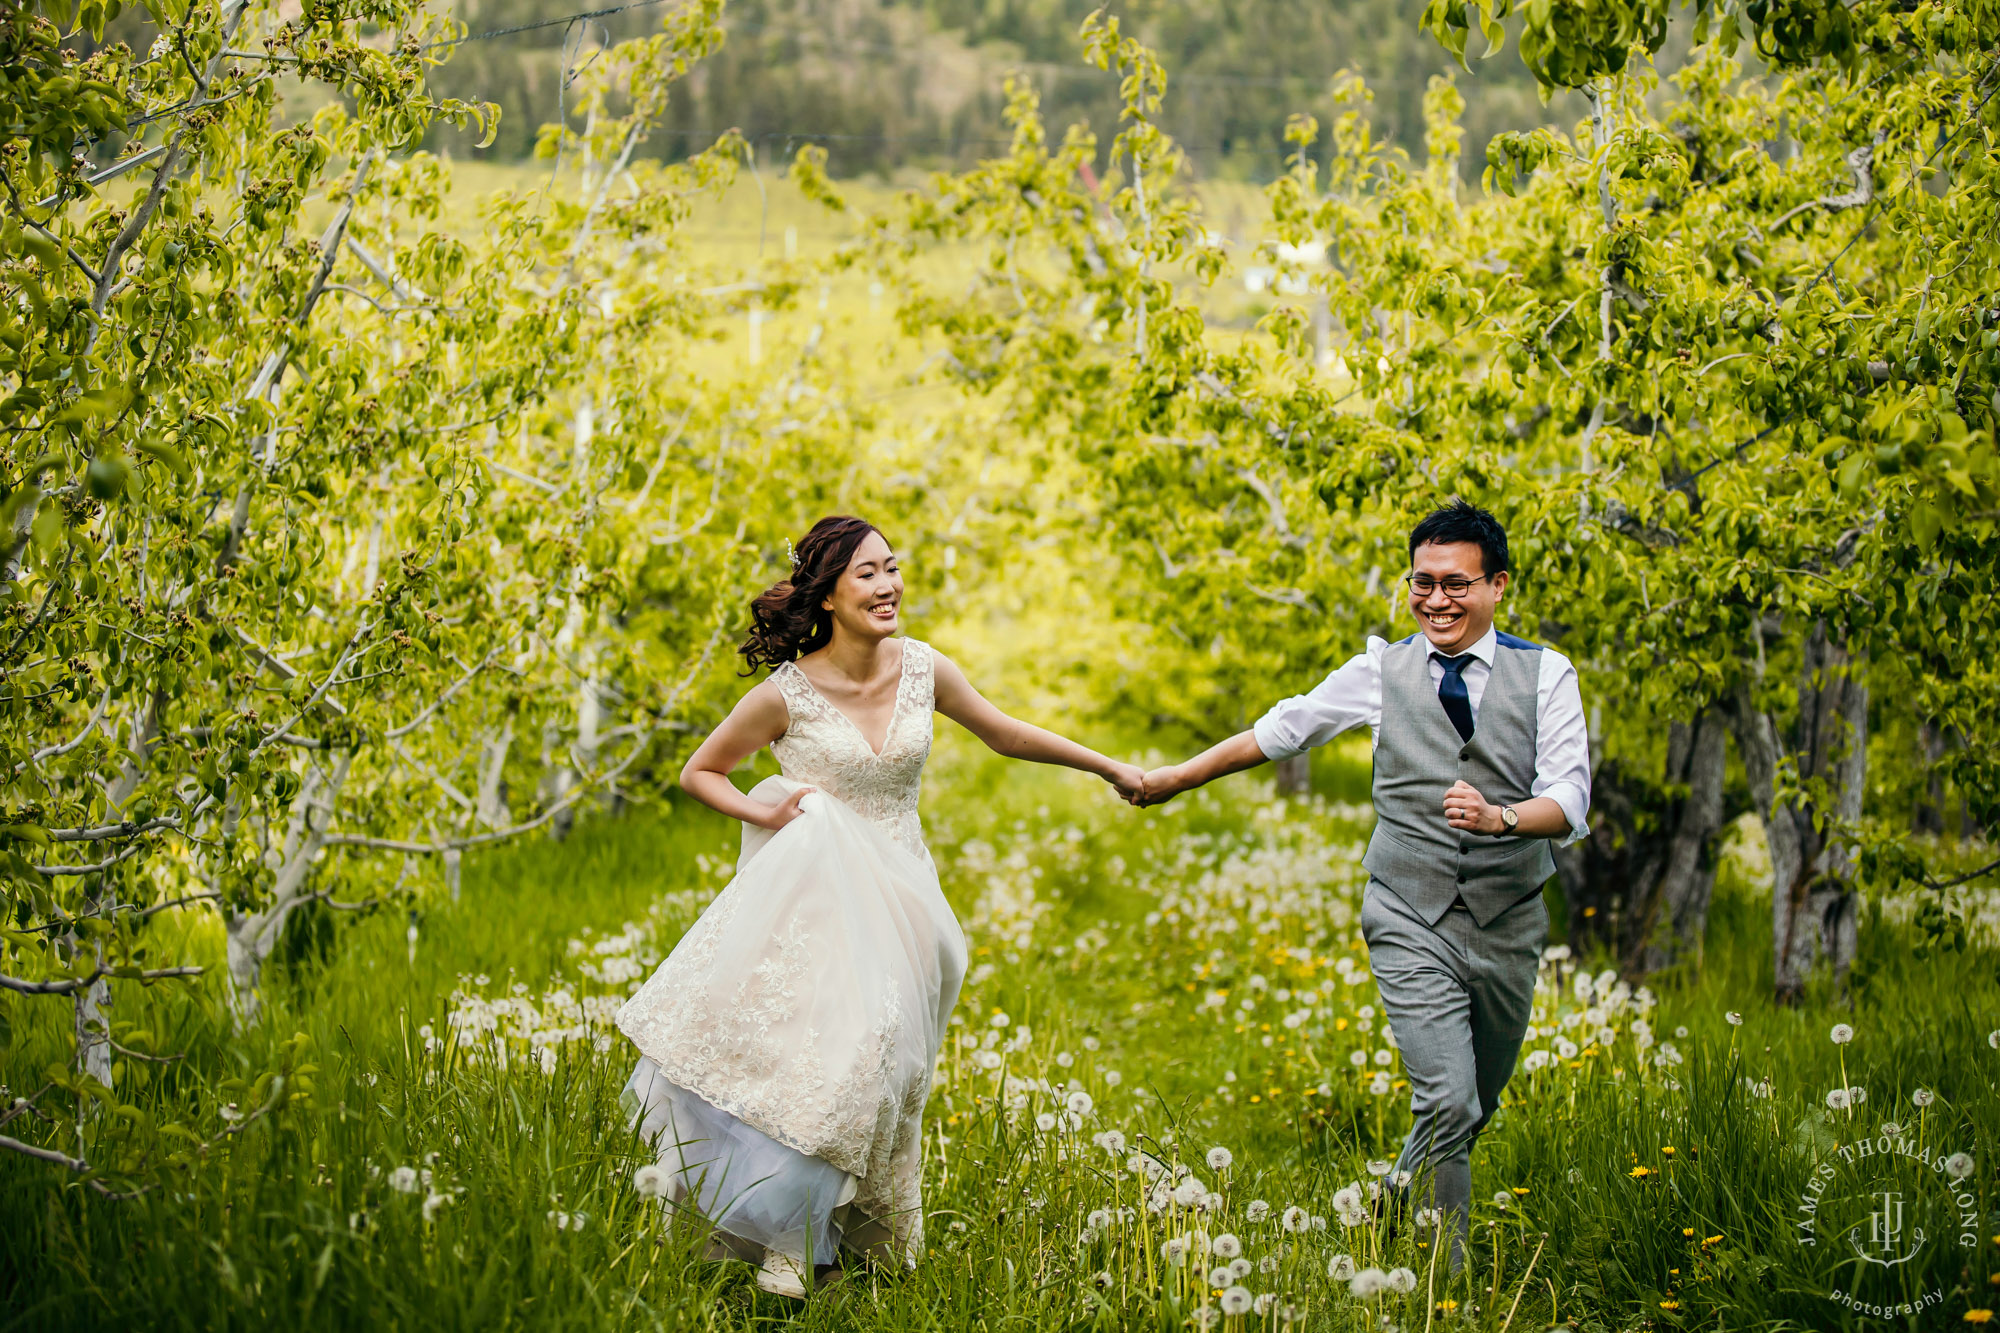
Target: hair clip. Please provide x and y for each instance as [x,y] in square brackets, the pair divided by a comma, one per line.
[791,554]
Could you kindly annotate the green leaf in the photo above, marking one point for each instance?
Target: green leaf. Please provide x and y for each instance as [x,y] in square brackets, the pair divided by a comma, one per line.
[167,455]
[1925,524]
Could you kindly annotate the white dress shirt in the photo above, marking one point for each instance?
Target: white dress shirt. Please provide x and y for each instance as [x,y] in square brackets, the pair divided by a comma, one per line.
[1352,697]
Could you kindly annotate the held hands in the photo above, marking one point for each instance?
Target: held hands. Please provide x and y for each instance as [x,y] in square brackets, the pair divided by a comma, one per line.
[1465,809]
[1130,780]
[1138,787]
[1162,785]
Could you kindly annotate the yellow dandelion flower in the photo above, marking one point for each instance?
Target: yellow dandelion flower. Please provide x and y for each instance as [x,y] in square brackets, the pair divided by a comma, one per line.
[1668,1152]
[1521,1191]
[1687,1231]
[1981,1316]
[1640,1172]
[1670,1305]
[1711,1240]
[1446,1307]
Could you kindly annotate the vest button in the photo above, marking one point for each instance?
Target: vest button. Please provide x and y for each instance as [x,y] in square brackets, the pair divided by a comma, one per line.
[1461,879]
[1466,753]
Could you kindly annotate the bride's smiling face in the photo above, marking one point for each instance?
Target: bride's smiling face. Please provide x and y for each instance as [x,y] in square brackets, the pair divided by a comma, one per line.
[868,600]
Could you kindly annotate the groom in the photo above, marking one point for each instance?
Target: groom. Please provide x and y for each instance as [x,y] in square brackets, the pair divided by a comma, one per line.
[1481,761]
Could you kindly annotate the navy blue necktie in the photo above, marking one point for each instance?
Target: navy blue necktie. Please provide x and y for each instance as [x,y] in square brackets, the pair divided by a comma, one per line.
[1451,692]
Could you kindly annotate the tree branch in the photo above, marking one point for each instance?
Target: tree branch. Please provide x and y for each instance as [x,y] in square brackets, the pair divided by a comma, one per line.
[70,985]
[568,799]
[1861,163]
[439,702]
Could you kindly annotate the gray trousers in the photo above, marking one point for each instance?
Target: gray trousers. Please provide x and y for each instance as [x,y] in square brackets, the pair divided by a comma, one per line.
[1458,997]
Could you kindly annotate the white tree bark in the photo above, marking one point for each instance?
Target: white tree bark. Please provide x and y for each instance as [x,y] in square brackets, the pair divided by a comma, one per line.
[253,936]
[491,808]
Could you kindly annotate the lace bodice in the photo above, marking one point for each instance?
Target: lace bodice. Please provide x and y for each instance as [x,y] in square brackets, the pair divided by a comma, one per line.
[823,748]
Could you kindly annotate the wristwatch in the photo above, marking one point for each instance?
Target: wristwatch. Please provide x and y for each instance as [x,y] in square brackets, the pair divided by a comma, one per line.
[1509,818]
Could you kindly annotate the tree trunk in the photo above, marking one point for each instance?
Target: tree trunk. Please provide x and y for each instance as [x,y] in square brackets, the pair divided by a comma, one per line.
[1295,775]
[92,1023]
[252,937]
[1676,921]
[1813,901]
[1639,885]
[1930,813]
[492,800]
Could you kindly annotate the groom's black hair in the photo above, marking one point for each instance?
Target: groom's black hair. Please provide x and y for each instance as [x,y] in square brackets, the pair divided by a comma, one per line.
[1462,522]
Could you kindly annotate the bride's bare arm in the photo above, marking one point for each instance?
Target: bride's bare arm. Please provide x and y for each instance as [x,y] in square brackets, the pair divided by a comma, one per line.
[1016,739]
[759,718]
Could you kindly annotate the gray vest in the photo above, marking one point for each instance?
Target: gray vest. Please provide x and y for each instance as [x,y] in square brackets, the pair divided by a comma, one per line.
[1418,755]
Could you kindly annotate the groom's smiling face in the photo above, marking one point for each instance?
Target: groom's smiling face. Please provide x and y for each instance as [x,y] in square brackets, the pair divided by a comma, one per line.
[1454,624]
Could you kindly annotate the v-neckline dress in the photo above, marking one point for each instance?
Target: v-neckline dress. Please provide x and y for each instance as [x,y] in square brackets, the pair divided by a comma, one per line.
[787,1043]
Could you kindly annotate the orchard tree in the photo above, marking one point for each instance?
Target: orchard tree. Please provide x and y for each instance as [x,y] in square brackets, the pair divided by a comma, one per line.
[1725,369]
[345,534]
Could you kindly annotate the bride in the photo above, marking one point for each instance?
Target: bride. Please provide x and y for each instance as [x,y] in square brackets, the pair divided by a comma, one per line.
[787,1043]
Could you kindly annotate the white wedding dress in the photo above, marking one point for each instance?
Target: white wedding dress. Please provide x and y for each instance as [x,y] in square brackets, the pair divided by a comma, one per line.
[787,1044]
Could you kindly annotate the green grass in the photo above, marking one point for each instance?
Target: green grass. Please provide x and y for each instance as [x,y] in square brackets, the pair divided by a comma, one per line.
[1106,935]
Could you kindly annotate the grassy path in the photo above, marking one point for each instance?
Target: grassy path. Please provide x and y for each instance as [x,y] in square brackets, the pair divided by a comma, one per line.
[1147,989]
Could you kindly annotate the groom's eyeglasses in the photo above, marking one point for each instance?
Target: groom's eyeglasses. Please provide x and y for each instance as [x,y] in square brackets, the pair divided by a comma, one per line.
[1423,585]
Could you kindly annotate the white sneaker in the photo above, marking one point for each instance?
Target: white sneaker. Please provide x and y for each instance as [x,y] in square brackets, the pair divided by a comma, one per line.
[780,1276]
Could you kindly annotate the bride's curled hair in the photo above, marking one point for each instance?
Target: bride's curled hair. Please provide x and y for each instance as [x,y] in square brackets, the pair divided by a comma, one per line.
[786,619]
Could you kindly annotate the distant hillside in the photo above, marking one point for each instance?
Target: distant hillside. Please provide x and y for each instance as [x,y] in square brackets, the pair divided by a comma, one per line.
[884,85]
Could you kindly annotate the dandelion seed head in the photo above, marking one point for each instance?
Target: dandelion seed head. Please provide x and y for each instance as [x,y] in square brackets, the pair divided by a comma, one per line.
[1958,1166]
[649,1181]
[1257,1211]
[1340,1268]
[1841,1034]
[403,1180]
[1367,1284]
[1295,1219]
[1922,1097]
[1220,1159]
[1236,1300]
[1733,1018]
[1402,1279]
[1227,1245]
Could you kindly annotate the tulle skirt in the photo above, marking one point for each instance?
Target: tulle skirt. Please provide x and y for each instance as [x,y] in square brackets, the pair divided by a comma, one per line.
[747,1185]
[787,1043]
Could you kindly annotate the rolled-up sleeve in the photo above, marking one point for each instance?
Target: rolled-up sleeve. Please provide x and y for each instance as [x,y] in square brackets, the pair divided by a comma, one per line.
[1562,745]
[1350,696]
